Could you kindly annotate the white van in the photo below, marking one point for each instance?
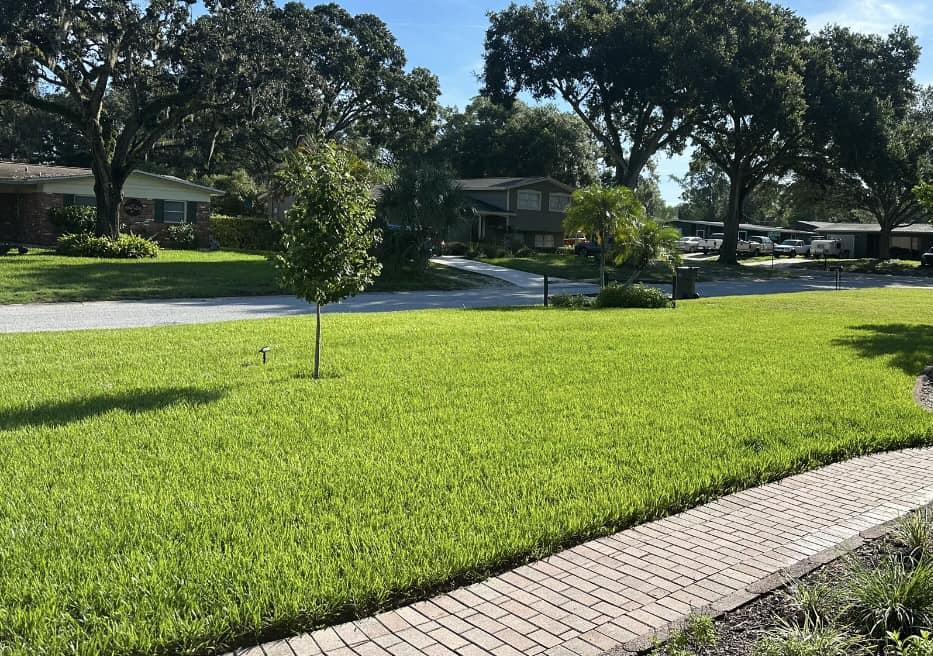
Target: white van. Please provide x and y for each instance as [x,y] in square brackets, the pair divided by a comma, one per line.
[826,248]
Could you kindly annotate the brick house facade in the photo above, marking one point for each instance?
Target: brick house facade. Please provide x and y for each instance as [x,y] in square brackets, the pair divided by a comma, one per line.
[152,204]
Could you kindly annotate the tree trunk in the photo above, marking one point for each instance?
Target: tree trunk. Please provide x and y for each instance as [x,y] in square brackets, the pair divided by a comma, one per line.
[602,260]
[627,178]
[884,244]
[108,191]
[730,238]
[317,342]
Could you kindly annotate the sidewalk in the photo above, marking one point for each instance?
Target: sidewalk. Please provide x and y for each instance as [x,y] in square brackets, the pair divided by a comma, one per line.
[615,593]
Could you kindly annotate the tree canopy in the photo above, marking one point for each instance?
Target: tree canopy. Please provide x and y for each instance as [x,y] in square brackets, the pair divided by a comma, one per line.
[872,129]
[489,140]
[617,66]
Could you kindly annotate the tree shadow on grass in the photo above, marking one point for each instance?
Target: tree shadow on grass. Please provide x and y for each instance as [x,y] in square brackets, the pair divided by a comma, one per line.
[908,347]
[59,413]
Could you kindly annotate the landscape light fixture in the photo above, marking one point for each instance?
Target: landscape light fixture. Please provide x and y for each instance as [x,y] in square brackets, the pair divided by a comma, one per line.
[265,352]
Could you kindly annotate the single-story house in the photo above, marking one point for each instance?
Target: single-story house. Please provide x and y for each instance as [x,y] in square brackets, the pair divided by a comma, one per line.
[863,239]
[518,211]
[746,230]
[152,202]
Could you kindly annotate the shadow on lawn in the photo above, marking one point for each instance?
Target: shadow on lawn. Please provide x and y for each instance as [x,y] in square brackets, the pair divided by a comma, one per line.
[909,347]
[152,278]
[58,413]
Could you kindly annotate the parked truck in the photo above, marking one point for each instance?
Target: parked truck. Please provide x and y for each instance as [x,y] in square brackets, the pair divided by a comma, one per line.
[713,243]
[755,246]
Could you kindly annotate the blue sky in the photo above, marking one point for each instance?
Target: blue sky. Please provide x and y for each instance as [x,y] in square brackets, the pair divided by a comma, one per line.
[446,36]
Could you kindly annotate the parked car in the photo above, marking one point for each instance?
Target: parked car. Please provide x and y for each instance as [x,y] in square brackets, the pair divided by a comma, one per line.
[792,248]
[826,248]
[587,249]
[927,258]
[755,246]
[690,244]
[713,243]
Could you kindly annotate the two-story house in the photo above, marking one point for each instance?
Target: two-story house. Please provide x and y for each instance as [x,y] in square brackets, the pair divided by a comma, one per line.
[518,211]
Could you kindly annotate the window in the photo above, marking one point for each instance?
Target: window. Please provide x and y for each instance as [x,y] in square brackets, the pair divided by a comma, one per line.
[701,233]
[529,200]
[544,240]
[558,202]
[86,201]
[173,211]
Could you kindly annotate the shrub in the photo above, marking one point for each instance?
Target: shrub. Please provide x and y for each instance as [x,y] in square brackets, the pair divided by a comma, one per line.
[179,236]
[632,296]
[245,233]
[916,645]
[124,247]
[457,248]
[813,604]
[890,596]
[914,534]
[74,219]
[524,251]
[809,640]
[571,301]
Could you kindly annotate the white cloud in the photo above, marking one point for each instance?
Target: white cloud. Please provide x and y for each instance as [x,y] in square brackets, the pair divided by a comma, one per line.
[875,16]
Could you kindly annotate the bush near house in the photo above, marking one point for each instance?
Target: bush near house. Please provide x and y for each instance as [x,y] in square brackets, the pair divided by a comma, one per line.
[74,219]
[244,232]
[179,236]
[123,247]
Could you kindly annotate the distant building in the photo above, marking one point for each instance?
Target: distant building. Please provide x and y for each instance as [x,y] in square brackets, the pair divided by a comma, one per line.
[746,230]
[862,239]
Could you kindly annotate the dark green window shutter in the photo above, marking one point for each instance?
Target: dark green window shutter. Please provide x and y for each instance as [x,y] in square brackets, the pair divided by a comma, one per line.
[68,200]
[159,210]
[192,214]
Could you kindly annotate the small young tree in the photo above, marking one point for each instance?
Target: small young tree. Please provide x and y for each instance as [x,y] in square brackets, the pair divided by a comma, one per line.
[328,235]
[607,213]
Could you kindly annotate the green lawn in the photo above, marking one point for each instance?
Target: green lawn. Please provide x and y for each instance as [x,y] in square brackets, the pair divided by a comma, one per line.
[587,268]
[45,277]
[162,492]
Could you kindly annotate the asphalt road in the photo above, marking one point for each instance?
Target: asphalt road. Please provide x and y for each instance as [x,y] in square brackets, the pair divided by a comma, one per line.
[40,317]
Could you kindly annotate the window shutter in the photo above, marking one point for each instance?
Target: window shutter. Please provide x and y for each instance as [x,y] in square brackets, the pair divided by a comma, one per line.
[191,215]
[68,200]
[159,210]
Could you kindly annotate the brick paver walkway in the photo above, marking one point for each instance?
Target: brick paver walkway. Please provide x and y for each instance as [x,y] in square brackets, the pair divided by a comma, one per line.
[610,594]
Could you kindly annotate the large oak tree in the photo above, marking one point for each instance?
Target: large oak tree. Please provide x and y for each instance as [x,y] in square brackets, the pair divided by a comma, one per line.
[120,73]
[618,66]
[872,128]
[748,73]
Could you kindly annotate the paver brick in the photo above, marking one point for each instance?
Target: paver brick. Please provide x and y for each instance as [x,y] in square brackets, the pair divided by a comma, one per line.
[625,587]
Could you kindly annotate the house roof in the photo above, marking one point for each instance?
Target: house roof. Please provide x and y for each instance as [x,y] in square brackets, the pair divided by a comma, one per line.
[752,227]
[483,207]
[20,173]
[830,227]
[500,184]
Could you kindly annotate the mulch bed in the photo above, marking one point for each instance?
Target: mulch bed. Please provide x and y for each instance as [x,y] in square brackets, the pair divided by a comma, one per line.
[924,390]
[742,628]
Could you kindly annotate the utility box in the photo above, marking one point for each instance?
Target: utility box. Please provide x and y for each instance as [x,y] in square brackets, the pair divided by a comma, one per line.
[685,283]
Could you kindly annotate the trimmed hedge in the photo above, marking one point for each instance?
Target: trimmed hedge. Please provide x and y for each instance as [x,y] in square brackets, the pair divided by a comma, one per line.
[73,219]
[124,247]
[244,233]
[632,296]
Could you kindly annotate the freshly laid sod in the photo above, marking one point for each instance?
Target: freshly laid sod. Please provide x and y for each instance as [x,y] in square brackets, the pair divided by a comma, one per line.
[163,492]
[45,277]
